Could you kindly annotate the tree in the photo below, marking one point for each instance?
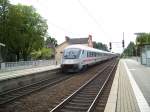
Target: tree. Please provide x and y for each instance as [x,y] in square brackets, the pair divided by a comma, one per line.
[44,53]
[101,46]
[51,42]
[25,30]
[142,39]
[4,9]
[130,50]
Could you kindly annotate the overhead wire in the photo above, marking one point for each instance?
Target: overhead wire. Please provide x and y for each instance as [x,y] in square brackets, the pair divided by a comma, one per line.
[92,17]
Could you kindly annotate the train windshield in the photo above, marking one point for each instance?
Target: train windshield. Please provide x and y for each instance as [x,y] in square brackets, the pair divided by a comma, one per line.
[72,53]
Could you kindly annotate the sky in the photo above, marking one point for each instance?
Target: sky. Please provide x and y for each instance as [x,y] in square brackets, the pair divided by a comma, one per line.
[105,20]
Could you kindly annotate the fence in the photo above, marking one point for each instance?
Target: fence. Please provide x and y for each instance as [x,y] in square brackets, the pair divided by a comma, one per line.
[8,66]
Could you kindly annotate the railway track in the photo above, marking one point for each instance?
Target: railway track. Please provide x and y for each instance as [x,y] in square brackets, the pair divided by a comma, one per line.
[86,97]
[102,99]
[11,95]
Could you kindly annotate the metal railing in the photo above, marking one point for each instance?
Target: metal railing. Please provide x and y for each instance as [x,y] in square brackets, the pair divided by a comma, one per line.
[8,66]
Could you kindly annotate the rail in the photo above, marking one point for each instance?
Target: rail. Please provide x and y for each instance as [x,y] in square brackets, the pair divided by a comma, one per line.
[86,86]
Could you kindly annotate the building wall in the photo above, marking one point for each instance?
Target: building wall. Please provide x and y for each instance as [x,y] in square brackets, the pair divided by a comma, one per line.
[59,51]
[60,48]
[90,42]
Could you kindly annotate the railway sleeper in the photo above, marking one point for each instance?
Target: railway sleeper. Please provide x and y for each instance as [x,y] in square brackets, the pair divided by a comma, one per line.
[86,95]
[90,90]
[77,108]
[79,104]
[81,101]
[84,98]
[65,110]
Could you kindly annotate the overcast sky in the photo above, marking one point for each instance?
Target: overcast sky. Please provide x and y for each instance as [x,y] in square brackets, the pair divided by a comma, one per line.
[105,20]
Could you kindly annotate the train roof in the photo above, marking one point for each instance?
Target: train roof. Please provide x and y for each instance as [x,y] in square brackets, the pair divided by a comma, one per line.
[83,47]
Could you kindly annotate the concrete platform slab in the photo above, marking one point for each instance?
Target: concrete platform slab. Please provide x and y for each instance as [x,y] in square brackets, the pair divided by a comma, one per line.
[122,96]
[20,73]
[140,80]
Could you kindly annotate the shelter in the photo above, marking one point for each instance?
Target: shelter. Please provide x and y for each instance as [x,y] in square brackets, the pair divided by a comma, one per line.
[145,54]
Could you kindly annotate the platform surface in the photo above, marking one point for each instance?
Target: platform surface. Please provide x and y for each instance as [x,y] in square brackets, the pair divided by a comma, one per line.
[141,75]
[130,91]
[20,73]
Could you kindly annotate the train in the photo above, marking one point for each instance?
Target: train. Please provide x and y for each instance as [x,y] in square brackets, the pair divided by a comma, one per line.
[78,57]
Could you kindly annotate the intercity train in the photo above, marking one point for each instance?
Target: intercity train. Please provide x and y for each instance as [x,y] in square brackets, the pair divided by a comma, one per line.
[78,57]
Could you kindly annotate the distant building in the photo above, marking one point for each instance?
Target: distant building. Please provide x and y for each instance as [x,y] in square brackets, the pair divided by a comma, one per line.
[70,41]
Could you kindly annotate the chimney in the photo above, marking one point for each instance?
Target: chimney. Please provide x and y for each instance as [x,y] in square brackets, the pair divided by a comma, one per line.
[67,38]
[90,37]
[90,43]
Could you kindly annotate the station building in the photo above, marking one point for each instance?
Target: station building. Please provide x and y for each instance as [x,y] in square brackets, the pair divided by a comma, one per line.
[71,41]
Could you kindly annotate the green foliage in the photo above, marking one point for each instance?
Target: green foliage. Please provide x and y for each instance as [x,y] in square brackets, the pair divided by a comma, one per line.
[130,50]
[44,53]
[4,9]
[143,38]
[36,54]
[50,42]
[101,46]
[22,30]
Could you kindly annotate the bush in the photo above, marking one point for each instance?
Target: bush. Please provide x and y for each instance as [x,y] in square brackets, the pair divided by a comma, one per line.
[44,53]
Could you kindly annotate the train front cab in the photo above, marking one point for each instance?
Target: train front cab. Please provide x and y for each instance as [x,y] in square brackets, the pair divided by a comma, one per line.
[71,60]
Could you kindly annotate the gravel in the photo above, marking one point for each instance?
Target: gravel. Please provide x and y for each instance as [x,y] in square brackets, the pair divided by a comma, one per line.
[48,98]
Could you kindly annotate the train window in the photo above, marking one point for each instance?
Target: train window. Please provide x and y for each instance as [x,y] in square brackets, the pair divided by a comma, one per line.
[83,52]
[88,54]
[92,54]
[72,53]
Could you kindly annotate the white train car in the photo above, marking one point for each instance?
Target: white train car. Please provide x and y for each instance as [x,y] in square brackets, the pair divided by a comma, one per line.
[78,57]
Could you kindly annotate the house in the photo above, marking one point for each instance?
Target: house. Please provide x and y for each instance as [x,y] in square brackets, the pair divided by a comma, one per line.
[71,41]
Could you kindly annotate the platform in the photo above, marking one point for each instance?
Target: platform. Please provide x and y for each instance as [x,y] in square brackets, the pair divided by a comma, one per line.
[28,71]
[130,91]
